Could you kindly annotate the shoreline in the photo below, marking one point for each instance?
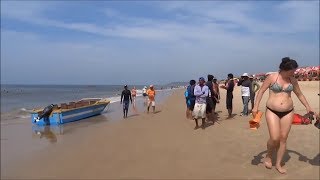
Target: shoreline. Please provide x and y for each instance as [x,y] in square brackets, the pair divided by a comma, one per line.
[23,113]
[162,145]
[24,98]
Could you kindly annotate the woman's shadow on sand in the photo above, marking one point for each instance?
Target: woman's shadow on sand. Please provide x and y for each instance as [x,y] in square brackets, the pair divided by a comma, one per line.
[259,158]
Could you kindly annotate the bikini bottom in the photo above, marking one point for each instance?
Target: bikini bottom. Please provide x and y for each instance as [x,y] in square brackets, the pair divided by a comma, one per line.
[280,114]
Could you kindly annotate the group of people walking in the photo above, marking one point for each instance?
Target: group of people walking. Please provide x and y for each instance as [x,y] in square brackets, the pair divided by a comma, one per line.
[128,96]
[279,107]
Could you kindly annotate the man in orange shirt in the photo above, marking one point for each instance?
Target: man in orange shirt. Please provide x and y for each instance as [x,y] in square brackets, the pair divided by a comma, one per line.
[151,101]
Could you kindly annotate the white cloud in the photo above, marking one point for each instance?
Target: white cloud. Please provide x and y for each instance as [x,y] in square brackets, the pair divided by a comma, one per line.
[201,38]
[303,16]
[298,16]
[222,16]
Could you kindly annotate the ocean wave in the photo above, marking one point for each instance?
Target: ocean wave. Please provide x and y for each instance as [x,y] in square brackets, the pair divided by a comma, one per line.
[22,113]
[24,110]
[118,98]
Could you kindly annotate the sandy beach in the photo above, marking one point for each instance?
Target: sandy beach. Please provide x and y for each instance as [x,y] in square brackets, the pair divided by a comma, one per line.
[163,145]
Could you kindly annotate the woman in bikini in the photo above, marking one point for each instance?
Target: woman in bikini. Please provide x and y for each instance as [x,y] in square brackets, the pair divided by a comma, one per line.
[279,113]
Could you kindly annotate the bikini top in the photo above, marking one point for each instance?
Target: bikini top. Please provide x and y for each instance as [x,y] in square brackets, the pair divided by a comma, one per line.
[277,88]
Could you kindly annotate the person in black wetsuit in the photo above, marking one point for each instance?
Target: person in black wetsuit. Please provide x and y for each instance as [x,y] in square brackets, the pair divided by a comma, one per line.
[229,86]
[125,96]
[210,96]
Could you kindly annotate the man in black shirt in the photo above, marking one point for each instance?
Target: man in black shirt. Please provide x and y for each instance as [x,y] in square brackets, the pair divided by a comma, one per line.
[229,86]
[126,96]
[210,95]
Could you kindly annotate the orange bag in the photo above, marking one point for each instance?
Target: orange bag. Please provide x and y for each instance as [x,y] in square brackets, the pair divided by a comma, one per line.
[255,122]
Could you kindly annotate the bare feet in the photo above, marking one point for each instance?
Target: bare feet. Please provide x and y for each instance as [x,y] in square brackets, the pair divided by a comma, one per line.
[281,169]
[267,162]
[197,127]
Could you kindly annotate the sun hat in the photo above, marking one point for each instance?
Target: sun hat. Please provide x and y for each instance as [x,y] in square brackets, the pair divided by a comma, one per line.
[245,75]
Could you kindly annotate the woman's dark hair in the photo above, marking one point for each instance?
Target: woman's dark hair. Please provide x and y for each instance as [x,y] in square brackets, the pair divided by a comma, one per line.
[192,82]
[288,64]
[230,75]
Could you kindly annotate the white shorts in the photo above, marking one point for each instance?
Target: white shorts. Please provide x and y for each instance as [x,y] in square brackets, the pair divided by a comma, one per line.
[152,103]
[199,111]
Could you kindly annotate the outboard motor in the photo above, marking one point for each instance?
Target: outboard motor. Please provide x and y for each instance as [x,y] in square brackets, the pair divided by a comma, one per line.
[45,113]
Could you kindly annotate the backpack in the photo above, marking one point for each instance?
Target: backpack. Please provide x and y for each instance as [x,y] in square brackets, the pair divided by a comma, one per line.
[186,93]
[190,93]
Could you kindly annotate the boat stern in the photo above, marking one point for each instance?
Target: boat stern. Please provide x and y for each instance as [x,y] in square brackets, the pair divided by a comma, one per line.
[53,119]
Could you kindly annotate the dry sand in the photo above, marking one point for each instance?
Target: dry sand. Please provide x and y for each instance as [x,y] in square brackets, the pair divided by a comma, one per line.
[161,146]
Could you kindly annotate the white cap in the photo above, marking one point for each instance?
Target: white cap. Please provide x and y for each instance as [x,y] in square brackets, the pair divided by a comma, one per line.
[245,74]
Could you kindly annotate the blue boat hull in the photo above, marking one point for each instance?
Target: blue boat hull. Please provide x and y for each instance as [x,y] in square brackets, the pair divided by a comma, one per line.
[71,115]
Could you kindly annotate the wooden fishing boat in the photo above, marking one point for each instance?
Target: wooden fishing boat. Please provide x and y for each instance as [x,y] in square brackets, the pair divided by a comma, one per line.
[68,112]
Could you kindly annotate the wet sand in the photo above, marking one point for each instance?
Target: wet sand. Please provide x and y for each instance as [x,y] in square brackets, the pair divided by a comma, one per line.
[159,146]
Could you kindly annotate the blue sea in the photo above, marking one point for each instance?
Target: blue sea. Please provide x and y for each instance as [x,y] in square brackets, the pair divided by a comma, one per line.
[20,99]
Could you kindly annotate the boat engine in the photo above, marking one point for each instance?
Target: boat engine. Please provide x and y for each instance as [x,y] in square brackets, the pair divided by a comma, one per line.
[45,113]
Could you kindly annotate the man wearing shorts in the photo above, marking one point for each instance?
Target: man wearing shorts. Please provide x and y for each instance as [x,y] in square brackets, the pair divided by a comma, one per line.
[126,96]
[151,101]
[201,92]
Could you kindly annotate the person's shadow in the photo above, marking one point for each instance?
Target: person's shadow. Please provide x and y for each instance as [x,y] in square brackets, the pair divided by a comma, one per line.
[212,119]
[259,158]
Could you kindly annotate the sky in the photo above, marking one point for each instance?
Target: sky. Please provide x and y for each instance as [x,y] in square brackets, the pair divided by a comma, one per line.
[152,42]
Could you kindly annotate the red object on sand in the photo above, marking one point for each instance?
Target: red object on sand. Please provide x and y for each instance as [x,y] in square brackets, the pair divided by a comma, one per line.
[301,120]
